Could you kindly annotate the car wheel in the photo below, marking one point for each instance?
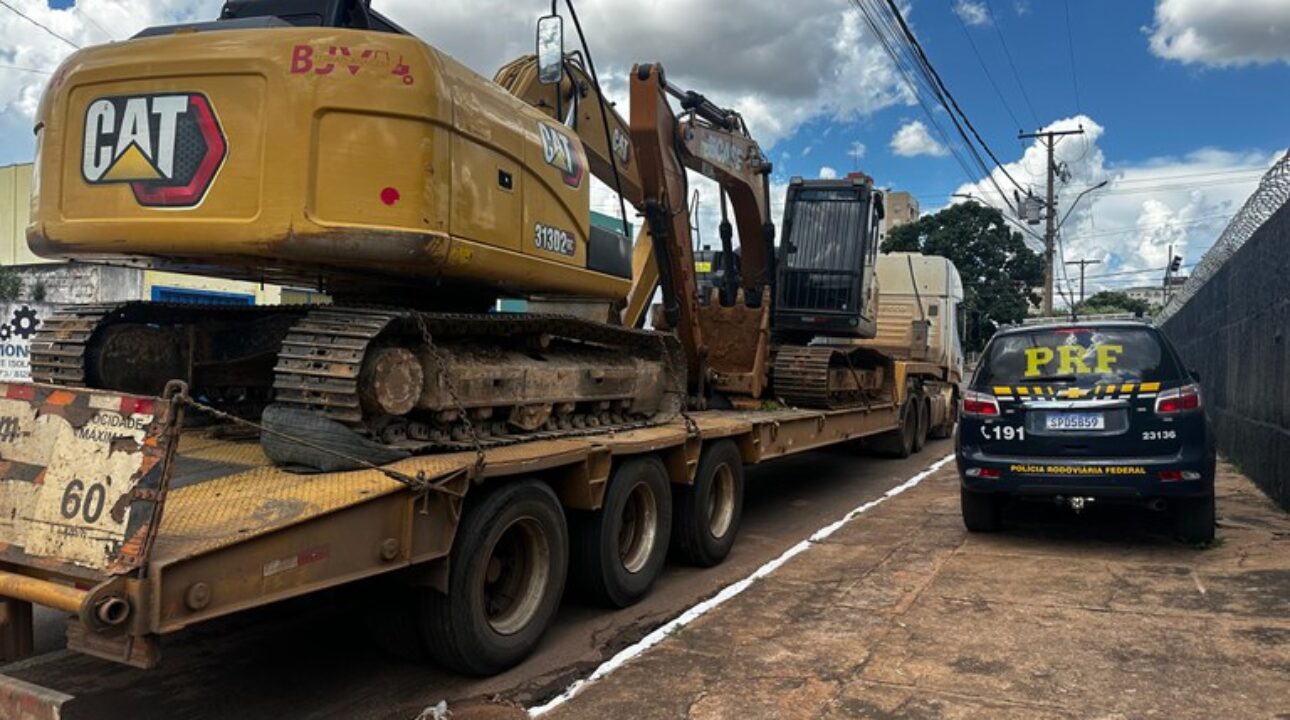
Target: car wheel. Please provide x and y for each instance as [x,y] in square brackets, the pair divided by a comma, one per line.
[980,511]
[1194,519]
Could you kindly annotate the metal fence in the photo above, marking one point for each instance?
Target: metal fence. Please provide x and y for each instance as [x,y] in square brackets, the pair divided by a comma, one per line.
[1231,322]
[1271,195]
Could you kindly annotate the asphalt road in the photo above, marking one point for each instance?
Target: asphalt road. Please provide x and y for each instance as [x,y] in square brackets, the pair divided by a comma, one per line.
[311,658]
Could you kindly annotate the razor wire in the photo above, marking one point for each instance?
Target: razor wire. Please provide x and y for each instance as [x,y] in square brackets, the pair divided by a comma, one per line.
[1263,203]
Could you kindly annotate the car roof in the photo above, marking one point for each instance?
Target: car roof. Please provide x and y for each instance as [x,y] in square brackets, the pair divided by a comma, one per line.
[1092,324]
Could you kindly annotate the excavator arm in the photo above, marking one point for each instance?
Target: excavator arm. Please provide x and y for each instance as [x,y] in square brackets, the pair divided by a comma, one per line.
[726,343]
[647,159]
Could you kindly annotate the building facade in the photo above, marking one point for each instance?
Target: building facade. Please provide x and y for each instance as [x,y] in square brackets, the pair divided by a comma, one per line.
[58,281]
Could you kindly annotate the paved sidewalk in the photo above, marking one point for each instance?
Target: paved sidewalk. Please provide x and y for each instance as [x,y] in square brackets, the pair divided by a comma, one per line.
[901,614]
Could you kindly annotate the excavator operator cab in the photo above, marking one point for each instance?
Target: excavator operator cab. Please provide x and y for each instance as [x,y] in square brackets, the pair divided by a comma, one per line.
[825,283]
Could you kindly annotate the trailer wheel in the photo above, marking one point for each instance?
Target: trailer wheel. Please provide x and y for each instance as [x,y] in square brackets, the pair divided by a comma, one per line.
[506,576]
[708,513]
[620,549]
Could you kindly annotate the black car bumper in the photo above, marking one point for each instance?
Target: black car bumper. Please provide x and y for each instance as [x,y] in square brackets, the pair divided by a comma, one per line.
[1129,479]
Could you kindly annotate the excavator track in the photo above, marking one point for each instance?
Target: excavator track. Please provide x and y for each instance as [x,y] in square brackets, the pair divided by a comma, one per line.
[353,365]
[407,380]
[827,376]
[225,352]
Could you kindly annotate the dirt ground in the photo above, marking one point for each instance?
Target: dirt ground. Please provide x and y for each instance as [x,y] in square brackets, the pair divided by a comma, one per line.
[902,614]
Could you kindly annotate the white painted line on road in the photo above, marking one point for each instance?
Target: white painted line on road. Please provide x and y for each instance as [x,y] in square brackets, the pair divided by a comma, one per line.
[726,593]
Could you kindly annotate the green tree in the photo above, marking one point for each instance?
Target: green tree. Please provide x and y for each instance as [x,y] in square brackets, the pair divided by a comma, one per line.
[10,284]
[1000,274]
[1112,302]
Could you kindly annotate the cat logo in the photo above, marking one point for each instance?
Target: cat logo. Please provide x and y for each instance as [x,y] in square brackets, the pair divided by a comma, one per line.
[562,154]
[168,147]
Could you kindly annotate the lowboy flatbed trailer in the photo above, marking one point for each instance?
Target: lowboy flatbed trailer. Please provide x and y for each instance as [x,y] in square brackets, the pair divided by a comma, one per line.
[137,526]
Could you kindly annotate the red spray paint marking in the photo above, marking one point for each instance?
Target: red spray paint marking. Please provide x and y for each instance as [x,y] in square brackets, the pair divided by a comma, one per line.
[389,196]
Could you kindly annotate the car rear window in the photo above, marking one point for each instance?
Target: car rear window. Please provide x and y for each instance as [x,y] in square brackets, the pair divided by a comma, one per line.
[1077,355]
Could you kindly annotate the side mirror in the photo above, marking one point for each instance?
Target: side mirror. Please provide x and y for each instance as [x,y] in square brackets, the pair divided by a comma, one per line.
[550,49]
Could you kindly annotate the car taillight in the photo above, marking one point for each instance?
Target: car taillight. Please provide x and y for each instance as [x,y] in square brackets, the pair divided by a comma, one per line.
[1183,399]
[975,403]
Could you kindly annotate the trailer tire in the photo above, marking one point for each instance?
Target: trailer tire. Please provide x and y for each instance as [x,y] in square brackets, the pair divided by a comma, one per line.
[285,423]
[619,550]
[706,515]
[516,538]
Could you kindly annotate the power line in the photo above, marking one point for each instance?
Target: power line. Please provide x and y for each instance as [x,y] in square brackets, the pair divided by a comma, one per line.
[1070,44]
[79,11]
[26,69]
[909,35]
[889,26]
[37,23]
[994,20]
[981,60]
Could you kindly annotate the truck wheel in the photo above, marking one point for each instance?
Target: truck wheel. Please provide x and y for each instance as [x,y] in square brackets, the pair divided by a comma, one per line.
[506,576]
[619,550]
[946,429]
[924,425]
[1194,519]
[709,511]
[980,511]
[899,443]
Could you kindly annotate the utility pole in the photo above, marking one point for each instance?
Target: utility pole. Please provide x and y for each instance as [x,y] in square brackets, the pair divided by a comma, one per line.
[1082,262]
[1050,138]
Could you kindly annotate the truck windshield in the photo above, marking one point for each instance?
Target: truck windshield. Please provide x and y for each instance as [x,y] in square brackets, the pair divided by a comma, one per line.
[1082,356]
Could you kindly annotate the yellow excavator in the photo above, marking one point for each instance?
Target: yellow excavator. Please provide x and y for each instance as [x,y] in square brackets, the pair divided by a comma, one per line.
[316,143]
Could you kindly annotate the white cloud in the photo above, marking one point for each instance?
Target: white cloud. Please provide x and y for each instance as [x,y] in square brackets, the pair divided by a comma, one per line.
[828,173]
[780,64]
[913,139]
[1022,7]
[1221,33]
[1146,207]
[972,13]
[807,150]
[857,150]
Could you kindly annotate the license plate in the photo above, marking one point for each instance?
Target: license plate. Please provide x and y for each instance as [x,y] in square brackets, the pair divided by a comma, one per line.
[1075,421]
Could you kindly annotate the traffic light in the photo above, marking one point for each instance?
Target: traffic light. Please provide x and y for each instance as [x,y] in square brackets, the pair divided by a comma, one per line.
[1175,265]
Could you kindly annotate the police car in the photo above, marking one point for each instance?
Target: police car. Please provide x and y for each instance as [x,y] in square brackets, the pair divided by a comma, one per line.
[1086,412]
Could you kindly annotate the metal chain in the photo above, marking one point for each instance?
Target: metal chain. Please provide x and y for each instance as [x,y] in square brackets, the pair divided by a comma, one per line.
[437,355]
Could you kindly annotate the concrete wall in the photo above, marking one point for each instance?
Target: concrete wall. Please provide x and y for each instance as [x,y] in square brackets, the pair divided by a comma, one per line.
[78,283]
[1236,333]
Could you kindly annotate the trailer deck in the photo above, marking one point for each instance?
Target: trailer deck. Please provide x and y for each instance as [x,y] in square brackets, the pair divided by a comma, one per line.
[236,532]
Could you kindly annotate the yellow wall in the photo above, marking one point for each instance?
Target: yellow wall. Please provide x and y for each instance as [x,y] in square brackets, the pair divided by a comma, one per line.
[15,207]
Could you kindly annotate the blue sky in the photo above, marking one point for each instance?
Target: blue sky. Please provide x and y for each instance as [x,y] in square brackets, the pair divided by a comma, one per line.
[1184,100]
